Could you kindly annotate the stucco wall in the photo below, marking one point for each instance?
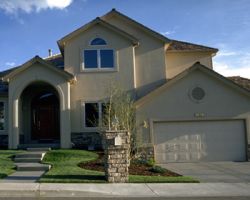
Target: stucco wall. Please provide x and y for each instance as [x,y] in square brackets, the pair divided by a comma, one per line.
[179,61]
[149,56]
[220,102]
[93,85]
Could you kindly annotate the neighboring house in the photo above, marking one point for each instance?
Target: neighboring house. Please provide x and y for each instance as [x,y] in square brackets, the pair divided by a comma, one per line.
[185,111]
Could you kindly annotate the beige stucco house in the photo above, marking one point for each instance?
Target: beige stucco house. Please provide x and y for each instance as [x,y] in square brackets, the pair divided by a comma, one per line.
[185,110]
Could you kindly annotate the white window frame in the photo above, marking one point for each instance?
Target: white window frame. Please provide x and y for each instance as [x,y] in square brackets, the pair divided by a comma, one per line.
[98,68]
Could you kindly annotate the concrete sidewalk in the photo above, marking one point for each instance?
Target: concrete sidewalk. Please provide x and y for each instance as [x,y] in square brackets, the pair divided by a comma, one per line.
[125,190]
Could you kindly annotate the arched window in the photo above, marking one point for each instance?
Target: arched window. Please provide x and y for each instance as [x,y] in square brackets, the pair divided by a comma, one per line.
[98,41]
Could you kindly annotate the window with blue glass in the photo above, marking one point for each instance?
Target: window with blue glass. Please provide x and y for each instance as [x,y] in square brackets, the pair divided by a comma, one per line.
[98,58]
[98,41]
[90,59]
[106,58]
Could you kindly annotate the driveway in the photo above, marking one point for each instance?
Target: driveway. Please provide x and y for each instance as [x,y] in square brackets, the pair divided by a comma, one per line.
[225,172]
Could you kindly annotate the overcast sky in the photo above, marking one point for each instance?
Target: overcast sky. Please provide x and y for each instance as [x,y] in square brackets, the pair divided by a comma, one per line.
[31,27]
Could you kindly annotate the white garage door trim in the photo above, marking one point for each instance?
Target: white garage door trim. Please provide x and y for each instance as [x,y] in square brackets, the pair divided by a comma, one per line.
[182,148]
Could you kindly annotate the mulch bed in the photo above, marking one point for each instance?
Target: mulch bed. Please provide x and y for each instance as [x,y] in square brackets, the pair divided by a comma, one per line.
[135,168]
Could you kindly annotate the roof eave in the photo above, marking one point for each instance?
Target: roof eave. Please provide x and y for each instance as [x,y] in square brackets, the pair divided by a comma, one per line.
[186,51]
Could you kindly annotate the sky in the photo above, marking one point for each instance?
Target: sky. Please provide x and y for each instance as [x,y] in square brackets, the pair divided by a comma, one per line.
[31,27]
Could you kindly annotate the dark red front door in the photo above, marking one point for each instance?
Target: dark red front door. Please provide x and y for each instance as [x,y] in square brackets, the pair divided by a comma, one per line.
[45,117]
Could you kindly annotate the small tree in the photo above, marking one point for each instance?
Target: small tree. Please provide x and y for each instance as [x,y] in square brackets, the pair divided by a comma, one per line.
[119,113]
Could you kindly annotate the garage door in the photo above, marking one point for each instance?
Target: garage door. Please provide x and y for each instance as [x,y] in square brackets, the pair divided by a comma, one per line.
[199,141]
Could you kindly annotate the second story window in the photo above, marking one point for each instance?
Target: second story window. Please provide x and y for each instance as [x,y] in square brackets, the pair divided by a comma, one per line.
[98,57]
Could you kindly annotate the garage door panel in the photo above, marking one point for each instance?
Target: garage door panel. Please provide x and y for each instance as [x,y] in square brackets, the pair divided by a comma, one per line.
[199,141]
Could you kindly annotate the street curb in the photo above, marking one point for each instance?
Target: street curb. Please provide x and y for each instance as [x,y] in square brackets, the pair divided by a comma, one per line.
[125,190]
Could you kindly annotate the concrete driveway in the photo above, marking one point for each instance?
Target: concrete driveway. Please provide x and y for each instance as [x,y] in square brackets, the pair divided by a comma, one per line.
[225,172]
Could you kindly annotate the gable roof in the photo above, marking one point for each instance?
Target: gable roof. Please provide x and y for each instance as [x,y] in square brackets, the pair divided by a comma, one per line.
[98,20]
[243,82]
[114,12]
[55,60]
[196,66]
[176,46]
[12,72]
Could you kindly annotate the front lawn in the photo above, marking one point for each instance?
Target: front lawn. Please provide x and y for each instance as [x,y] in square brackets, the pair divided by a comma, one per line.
[65,169]
[6,163]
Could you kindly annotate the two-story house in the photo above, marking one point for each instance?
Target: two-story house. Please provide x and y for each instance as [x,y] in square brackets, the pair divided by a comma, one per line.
[191,112]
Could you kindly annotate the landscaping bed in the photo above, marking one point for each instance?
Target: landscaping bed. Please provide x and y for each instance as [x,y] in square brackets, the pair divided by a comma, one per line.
[137,167]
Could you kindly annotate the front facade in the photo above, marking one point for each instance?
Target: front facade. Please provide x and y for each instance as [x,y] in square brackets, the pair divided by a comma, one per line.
[185,110]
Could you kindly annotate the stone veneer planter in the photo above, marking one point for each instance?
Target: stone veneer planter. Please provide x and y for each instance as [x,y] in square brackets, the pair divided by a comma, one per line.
[116,148]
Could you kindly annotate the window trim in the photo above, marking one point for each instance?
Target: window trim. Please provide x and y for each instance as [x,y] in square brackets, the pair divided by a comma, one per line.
[99,68]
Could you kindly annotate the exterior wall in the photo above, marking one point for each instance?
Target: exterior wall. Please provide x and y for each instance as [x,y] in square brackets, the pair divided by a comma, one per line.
[179,61]
[37,72]
[149,56]
[220,102]
[93,85]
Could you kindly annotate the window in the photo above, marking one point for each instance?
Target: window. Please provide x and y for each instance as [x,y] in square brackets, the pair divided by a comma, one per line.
[2,117]
[94,113]
[90,59]
[98,41]
[98,58]
[91,114]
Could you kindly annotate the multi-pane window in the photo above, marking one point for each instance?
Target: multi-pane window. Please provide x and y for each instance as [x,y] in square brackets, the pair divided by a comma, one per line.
[94,114]
[2,116]
[97,57]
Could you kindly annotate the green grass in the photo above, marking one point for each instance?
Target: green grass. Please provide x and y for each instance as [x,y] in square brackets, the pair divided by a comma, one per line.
[161,179]
[65,170]
[6,164]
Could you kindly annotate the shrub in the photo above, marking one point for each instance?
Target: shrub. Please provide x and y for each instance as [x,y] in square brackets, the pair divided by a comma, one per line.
[158,169]
[150,162]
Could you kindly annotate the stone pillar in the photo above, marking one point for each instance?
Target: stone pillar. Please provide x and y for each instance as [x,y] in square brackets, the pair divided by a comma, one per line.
[116,148]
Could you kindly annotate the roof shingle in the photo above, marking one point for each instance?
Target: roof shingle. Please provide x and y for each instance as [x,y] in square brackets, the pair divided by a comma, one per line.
[176,45]
[243,82]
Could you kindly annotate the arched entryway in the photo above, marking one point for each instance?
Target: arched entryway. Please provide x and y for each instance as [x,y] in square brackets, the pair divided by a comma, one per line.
[40,122]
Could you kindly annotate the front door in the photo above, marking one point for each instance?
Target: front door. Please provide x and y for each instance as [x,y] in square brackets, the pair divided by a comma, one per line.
[45,117]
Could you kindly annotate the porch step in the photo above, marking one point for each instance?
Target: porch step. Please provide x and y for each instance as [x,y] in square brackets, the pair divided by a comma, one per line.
[38,145]
[30,160]
[33,154]
[39,149]
[32,167]
[27,160]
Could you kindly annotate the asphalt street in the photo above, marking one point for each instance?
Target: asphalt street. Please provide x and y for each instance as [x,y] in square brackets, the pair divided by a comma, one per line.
[124,198]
